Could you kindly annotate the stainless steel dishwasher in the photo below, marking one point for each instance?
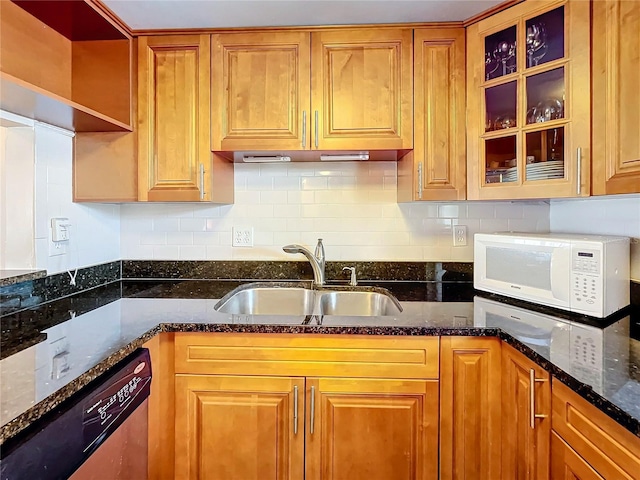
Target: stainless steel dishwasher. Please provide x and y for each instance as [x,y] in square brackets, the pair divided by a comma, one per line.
[99,433]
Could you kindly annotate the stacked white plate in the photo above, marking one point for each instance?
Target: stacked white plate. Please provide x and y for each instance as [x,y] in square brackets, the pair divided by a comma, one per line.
[545,170]
[510,174]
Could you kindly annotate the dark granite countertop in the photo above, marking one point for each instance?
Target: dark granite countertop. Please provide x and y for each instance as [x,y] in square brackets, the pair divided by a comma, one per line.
[52,351]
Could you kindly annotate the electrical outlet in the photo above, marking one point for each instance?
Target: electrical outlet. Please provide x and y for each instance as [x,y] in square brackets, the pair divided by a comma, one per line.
[459,235]
[242,237]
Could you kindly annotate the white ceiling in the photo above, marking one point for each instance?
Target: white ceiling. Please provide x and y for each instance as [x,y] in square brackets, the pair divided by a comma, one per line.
[182,14]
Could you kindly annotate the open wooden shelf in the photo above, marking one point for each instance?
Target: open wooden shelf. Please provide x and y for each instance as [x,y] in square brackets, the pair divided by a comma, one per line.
[69,66]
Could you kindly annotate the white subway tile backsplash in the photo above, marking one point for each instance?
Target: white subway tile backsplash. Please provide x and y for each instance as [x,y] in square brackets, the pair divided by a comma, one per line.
[153,238]
[314,183]
[352,205]
[166,224]
[193,252]
[206,238]
[180,238]
[193,225]
[164,252]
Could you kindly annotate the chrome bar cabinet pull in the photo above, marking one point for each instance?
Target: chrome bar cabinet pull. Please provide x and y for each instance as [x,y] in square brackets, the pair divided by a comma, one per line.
[304,129]
[532,398]
[313,410]
[201,181]
[295,410]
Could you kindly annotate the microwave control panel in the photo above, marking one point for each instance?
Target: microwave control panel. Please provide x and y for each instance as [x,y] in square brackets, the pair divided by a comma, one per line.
[585,277]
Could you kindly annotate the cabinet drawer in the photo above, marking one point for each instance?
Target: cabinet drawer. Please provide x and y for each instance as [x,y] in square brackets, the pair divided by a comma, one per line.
[609,448]
[307,355]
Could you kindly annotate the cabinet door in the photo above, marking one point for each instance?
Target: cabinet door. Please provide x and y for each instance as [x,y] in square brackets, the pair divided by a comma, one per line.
[612,450]
[470,408]
[362,89]
[529,109]
[174,157]
[526,421]
[370,429]
[437,169]
[239,428]
[616,97]
[566,464]
[261,91]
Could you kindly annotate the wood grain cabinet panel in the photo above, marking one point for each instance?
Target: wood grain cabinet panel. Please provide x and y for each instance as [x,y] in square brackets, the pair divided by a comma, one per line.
[175,162]
[616,96]
[436,169]
[470,405]
[324,90]
[526,417]
[371,429]
[239,428]
[173,129]
[261,91]
[307,355]
[362,89]
[566,464]
[609,448]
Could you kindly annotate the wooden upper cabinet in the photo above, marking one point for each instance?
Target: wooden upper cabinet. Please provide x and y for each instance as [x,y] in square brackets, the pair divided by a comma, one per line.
[526,417]
[260,91]
[327,90]
[175,162]
[529,102]
[470,422]
[616,96]
[230,427]
[436,169]
[374,429]
[362,89]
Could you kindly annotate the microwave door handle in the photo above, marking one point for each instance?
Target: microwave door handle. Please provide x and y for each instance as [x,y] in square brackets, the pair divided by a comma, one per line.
[560,265]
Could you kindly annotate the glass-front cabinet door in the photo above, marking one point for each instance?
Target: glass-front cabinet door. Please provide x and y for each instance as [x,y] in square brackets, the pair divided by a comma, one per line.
[528,95]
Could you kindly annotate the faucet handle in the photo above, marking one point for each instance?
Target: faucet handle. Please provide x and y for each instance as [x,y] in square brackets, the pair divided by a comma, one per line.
[353,281]
[319,253]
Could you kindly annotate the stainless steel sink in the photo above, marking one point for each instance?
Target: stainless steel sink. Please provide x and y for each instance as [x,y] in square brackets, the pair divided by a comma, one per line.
[284,299]
[261,300]
[359,303]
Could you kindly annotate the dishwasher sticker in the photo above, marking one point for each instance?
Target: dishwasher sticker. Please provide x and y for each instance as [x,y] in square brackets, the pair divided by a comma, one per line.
[105,410]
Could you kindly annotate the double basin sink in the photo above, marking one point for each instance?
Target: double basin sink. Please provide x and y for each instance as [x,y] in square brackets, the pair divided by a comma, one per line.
[294,299]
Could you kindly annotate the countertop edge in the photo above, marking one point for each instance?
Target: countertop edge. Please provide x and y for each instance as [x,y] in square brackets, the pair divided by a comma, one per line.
[8,278]
[20,424]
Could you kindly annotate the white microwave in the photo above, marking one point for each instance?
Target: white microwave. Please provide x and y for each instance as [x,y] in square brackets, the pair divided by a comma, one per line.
[585,274]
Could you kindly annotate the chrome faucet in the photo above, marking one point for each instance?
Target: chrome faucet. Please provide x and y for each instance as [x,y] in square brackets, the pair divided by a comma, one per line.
[316,259]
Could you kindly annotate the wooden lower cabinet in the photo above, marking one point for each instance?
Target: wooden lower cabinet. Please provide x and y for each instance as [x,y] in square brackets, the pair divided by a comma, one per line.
[470,429]
[566,464]
[371,429]
[246,427]
[609,448]
[526,417]
[239,427]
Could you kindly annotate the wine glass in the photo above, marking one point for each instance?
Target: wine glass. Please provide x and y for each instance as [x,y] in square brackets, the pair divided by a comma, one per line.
[536,40]
[511,65]
[491,64]
[504,51]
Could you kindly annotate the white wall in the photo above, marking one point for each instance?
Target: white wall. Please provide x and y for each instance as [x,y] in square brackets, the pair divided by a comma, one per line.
[351,205]
[16,196]
[95,230]
[609,215]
